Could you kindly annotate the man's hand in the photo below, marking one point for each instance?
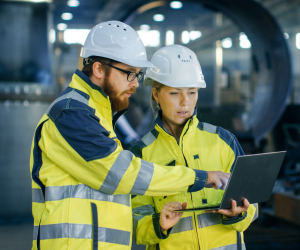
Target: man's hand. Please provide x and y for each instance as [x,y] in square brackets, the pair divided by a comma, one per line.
[168,218]
[233,211]
[217,179]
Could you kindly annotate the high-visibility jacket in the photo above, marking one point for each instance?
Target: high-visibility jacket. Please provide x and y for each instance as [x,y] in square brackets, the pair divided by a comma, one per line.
[201,146]
[82,178]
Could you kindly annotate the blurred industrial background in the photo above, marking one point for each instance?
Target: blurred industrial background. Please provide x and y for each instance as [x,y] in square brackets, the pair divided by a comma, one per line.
[250,56]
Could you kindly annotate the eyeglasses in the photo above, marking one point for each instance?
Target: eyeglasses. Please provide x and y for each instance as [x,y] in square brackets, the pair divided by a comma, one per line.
[130,75]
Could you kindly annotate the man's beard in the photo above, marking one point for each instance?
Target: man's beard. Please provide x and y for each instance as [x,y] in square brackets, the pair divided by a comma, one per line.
[117,104]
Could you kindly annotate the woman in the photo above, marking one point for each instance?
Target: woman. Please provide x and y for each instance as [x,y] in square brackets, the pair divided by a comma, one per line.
[180,139]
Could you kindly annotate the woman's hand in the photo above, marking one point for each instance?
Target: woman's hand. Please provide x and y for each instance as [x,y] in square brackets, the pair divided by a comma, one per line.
[168,218]
[233,211]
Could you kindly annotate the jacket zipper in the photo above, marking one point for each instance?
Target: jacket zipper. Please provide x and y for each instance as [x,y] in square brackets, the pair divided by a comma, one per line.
[196,227]
[194,214]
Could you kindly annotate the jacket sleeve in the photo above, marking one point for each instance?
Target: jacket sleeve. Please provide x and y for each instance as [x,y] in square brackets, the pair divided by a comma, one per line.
[146,228]
[81,146]
[242,221]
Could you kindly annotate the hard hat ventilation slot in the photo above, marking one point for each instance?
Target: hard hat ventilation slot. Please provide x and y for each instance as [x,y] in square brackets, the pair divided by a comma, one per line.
[191,57]
[125,29]
[118,26]
[109,24]
[178,56]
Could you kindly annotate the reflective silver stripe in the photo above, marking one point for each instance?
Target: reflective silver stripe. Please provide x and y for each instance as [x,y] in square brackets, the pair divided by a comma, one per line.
[209,128]
[119,198]
[143,179]
[184,224]
[256,212]
[135,222]
[116,172]
[82,191]
[65,230]
[144,210]
[82,231]
[208,219]
[72,94]
[139,213]
[78,97]
[65,96]
[35,232]
[229,247]
[148,138]
[37,195]
[114,236]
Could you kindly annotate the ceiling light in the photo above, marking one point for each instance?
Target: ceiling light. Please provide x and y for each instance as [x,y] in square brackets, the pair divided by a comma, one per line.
[195,34]
[150,38]
[244,41]
[73,3]
[75,36]
[227,43]
[62,26]
[298,40]
[169,37]
[52,36]
[185,37]
[158,17]
[66,16]
[286,35]
[144,27]
[176,5]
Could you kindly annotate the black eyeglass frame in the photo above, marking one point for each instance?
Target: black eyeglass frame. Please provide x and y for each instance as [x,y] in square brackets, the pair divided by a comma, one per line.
[139,75]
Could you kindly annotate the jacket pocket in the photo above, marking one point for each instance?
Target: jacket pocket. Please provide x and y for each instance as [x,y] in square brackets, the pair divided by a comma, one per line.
[95,226]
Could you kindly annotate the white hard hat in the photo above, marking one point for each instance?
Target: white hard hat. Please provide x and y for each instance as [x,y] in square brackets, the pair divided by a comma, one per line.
[118,41]
[175,66]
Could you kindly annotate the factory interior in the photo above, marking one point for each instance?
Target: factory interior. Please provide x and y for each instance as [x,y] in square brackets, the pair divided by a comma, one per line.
[249,51]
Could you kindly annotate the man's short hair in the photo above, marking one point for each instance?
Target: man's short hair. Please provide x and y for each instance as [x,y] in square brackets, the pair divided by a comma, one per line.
[88,64]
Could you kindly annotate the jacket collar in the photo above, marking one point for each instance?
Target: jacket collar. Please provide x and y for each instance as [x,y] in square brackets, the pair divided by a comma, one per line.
[82,82]
[192,120]
[88,81]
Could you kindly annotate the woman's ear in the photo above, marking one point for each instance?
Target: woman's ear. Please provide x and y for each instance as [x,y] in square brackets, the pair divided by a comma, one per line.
[155,95]
[98,71]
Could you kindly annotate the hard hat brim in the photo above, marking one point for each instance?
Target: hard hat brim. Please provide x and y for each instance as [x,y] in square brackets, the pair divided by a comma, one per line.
[134,63]
[201,84]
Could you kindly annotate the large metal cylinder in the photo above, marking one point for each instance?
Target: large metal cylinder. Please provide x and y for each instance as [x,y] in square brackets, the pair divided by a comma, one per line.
[270,58]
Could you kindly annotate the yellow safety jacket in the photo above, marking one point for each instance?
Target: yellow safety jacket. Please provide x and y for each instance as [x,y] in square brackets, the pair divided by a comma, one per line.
[201,146]
[82,178]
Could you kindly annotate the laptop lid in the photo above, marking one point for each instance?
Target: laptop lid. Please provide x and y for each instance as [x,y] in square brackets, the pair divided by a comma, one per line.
[253,178]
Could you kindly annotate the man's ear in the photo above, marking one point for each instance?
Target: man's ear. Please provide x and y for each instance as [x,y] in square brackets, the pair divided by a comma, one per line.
[98,70]
[155,95]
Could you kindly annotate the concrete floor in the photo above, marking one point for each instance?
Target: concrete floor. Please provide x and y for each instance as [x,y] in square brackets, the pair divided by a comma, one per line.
[16,237]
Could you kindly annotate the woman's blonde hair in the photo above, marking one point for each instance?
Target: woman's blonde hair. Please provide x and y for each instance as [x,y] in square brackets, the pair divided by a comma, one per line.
[158,86]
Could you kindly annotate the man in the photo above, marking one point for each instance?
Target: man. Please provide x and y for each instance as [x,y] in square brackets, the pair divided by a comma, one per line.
[81,177]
